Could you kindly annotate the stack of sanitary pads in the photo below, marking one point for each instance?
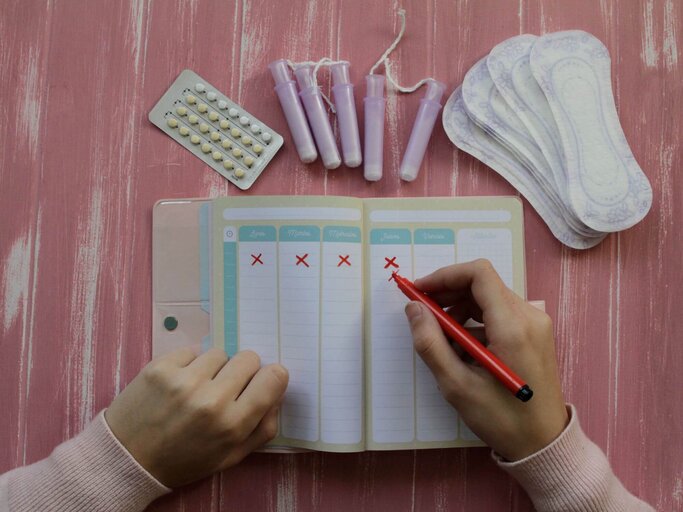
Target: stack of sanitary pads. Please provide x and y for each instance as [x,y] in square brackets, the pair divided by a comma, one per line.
[540,112]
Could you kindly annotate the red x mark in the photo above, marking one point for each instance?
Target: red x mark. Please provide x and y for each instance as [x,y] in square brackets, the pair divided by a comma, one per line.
[391,262]
[301,259]
[257,259]
[344,259]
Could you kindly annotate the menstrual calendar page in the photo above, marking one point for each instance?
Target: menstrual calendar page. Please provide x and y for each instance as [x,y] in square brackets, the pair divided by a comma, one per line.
[304,281]
[404,408]
[288,284]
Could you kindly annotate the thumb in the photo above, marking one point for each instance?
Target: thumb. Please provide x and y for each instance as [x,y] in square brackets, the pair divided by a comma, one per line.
[452,374]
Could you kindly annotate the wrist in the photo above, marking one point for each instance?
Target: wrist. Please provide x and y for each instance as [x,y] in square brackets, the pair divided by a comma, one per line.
[538,436]
[571,473]
[92,471]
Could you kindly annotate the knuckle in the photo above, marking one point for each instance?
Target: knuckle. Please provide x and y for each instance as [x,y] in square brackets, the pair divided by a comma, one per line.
[270,429]
[251,357]
[182,385]
[279,374]
[234,430]
[155,374]
[451,391]
[217,353]
[424,344]
[177,388]
[483,265]
[207,407]
[543,321]
[517,333]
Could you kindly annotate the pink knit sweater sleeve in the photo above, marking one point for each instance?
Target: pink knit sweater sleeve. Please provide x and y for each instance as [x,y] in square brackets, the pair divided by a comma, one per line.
[92,471]
[572,474]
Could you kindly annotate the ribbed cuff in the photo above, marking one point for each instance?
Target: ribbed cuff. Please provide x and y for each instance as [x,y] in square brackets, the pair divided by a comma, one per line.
[571,474]
[93,471]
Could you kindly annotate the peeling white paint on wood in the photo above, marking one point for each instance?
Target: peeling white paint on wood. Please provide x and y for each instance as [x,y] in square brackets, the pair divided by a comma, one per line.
[80,168]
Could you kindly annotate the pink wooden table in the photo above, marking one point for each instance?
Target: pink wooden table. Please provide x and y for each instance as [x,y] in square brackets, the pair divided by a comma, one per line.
[81,168]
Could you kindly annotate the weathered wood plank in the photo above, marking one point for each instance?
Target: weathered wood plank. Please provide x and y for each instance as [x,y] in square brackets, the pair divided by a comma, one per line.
[80,168]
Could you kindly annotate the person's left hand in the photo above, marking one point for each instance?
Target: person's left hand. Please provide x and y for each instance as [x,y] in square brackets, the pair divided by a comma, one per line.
[185,417]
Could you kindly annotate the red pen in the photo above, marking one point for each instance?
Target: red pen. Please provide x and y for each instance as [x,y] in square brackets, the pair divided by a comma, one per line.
[468,342]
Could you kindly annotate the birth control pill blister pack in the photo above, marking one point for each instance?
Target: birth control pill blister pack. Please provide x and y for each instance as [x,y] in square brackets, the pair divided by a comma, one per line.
[216,129]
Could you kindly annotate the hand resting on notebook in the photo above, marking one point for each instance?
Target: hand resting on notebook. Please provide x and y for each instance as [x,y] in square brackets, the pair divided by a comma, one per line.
[518,333]
[186,416]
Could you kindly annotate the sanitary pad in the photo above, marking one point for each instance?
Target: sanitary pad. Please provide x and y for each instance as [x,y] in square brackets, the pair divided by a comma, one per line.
[540,112]
[466,135]
[607,188]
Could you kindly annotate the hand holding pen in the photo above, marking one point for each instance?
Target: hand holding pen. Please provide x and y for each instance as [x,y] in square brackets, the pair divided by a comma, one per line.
[517,333]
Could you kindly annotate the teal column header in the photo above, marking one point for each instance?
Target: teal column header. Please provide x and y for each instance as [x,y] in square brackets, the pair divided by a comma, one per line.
[257,234]
[348,234]
[390,236]
[434,236]
[299,234]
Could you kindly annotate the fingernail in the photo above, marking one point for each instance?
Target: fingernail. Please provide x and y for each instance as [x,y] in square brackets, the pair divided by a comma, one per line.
[413,310]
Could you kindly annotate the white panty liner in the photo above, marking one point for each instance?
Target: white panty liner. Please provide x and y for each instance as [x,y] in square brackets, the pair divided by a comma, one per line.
[540,112]
[467,136]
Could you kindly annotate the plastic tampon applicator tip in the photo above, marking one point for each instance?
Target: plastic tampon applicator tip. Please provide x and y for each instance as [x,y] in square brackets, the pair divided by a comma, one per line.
[346,114]
[429,109]
[285,87]
[374,104]
[312,99]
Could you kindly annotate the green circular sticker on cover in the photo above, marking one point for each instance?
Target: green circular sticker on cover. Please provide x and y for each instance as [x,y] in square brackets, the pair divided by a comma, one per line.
[170,322]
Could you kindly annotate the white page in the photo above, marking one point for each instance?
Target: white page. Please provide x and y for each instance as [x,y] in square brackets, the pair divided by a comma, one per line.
[341,414]
[493,244]
[392,376]
[437,420]
[299,276]
[258,319]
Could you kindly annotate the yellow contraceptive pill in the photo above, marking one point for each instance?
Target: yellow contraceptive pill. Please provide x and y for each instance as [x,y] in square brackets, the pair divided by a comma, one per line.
[202,107]
[224,124]
[217,155]
[226,144]
[206,147]
[193,119]
[195,139]
[184,131]
[172,122]
[228,164]
[215,136]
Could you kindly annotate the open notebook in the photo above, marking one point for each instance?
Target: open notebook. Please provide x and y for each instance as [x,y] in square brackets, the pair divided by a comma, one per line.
[304,281]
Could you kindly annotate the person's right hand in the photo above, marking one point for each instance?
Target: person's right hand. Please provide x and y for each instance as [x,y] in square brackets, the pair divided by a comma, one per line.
[185,417]
[518,333]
